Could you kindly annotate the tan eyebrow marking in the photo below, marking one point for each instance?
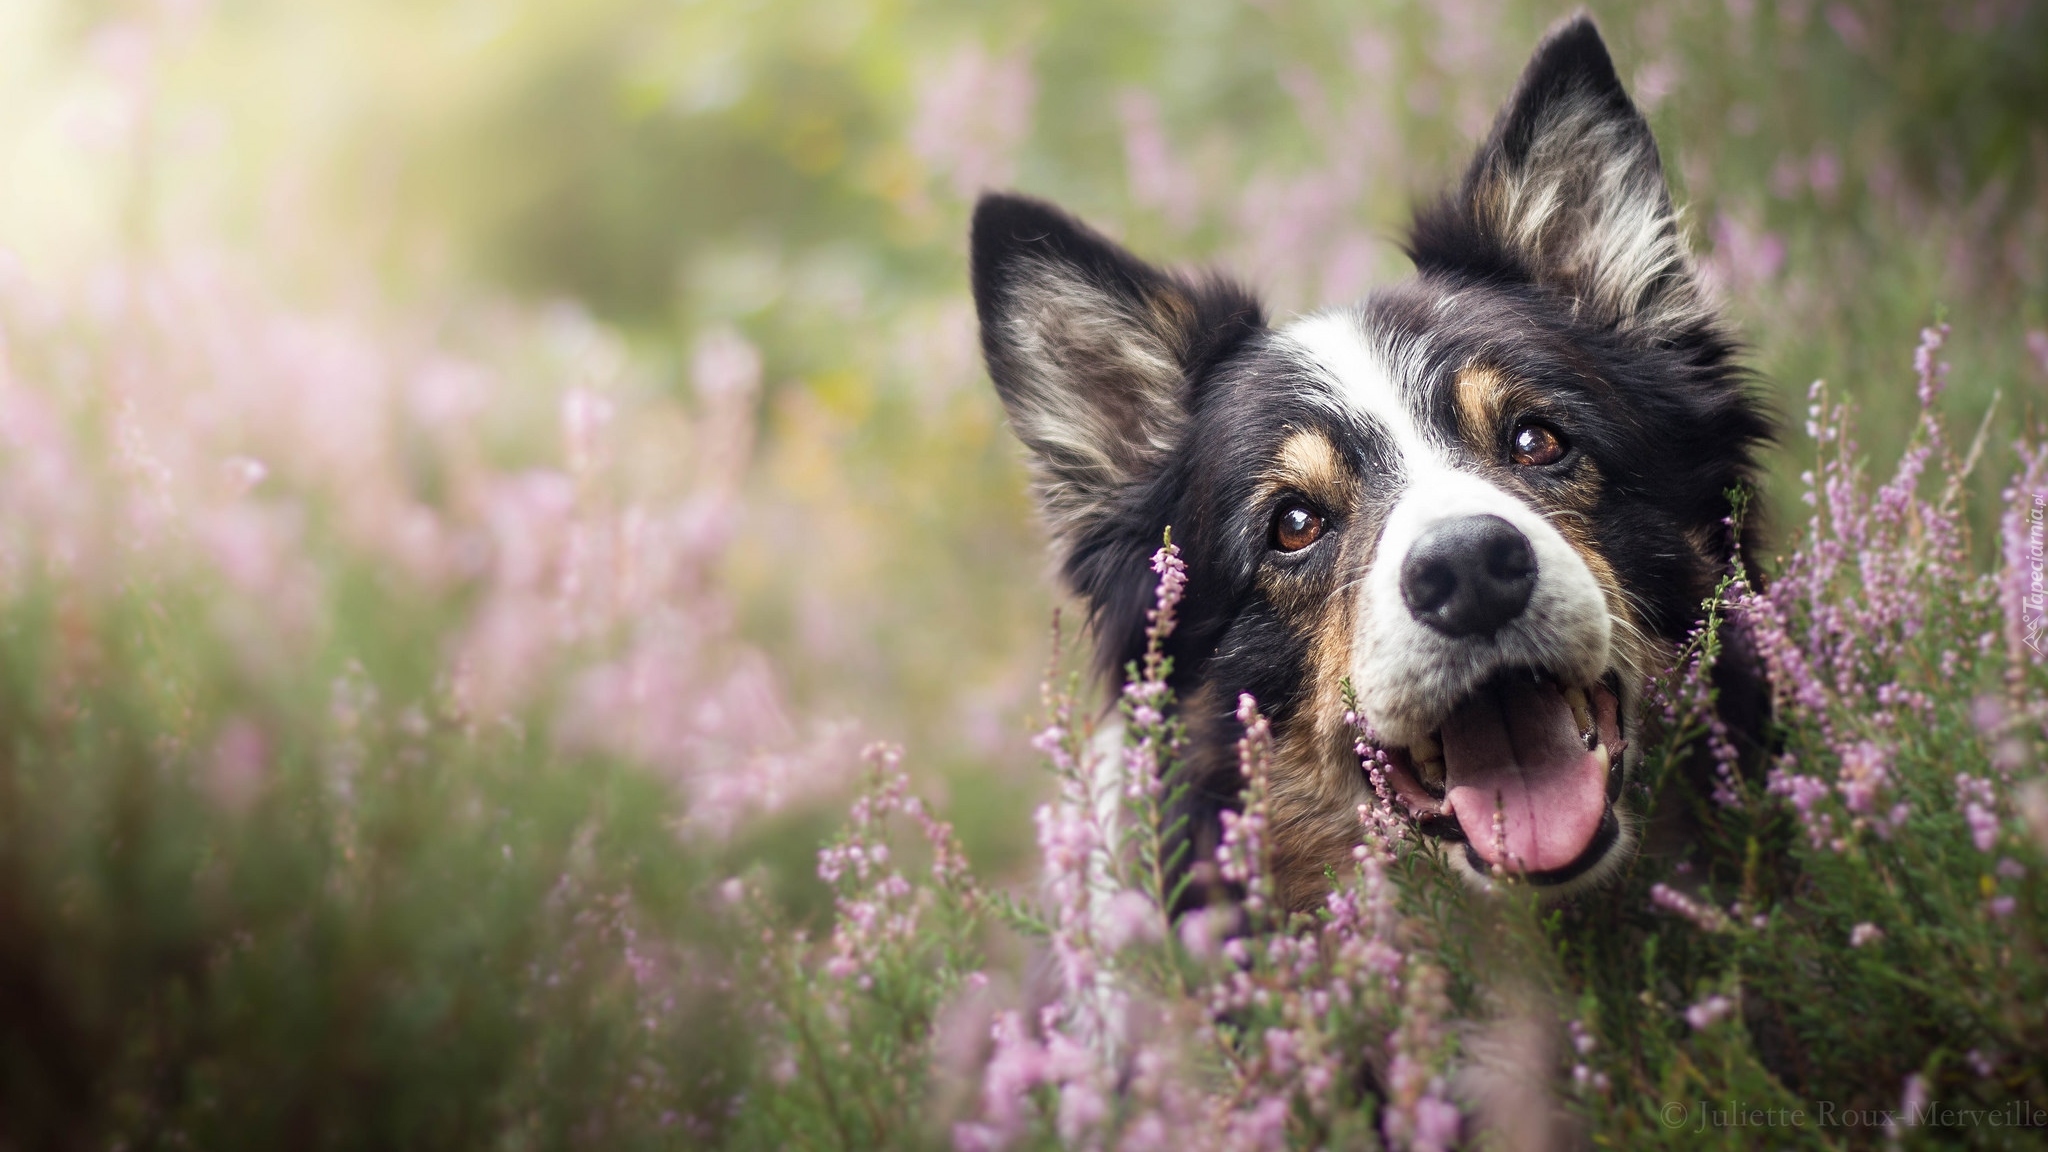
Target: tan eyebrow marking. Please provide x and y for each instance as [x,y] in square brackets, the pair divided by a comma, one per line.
[1481,395]
[1309,462]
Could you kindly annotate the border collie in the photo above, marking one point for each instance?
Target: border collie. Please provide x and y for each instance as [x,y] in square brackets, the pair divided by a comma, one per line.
[1490,498]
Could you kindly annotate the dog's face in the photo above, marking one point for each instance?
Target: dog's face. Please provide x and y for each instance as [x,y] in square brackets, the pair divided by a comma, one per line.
[1487,498]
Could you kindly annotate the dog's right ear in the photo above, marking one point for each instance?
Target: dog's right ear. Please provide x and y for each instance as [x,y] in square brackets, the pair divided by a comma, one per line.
[1568,193]
[1094,352]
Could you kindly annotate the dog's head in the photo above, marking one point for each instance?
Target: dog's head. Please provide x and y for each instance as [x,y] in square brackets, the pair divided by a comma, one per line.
[1487,498]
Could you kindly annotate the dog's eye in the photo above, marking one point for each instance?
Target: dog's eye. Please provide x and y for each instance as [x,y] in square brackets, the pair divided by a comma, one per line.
[1537,445]
[1295,527]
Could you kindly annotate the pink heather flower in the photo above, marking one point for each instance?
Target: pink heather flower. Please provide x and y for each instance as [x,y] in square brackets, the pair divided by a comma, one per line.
[585,414]
[973,113]
[1805,792]
[1437,1125]
[1017,1064]
[1157,179]
[243,474]
[1131,918]
[1848,24]
[1583,1040]
[1241,857]
[1824,173]
[2033,805]
[239,767]
[1173,583]
[1264,1125]
[725,366]
[1281,1052]
[2003,906]
[969,1137]
[1927,362]
[1149,734]
[1200,932]
[1706,917]
[1864,775]
[1709,1012]
[1988,714]
[1744,257]
[1082,1111]
[1978,801]
[1913,1099]
[1865,933]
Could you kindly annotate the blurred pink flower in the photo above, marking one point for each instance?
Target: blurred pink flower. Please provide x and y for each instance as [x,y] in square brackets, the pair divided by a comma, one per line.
[1158,180]
[1849,25]
[1743,257]
[1709,1012]
[239,767]
[973,114]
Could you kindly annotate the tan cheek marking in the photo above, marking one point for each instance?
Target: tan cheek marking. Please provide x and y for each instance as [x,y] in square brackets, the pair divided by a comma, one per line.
[1316,785]
[1577,532]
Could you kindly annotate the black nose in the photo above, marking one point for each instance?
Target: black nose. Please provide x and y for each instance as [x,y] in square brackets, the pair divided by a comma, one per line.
[1469,576]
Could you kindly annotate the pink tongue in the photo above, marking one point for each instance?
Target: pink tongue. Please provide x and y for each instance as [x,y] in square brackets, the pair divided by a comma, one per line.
[1515,748]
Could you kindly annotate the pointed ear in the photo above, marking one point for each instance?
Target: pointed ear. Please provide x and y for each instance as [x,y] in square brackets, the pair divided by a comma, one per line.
[1568,193]
[1094,352]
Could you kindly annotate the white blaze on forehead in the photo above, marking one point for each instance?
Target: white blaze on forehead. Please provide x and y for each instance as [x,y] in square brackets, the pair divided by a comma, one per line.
[1408,675]
[1365,382]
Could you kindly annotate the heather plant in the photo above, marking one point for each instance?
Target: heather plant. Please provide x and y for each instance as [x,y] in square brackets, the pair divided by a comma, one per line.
[1841,943]
[1230,1027]
[345,798]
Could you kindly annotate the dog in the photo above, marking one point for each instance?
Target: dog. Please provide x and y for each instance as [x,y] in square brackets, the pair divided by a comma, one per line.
[1488,500]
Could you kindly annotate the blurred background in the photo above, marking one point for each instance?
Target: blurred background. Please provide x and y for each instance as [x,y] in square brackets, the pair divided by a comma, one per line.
[644,176]
[600,375]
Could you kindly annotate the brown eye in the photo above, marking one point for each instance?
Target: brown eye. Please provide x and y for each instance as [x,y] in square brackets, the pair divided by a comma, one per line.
[1296,527]
[1537,446]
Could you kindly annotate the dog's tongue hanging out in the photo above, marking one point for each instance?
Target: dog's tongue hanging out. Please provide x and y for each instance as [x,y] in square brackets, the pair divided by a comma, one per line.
[1514,746]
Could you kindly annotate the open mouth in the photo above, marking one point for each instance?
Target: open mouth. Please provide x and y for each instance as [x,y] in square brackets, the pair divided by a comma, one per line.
[1525,772]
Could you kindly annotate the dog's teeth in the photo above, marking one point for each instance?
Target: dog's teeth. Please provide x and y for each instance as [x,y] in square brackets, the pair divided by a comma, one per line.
[1425,748]
[1448,809]
[1606,764]
[1430,772]
[1582,714]
[1581,711]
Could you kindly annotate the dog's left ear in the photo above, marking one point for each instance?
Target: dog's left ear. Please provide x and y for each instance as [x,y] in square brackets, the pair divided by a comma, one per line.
[1568,193]
[1094,352]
